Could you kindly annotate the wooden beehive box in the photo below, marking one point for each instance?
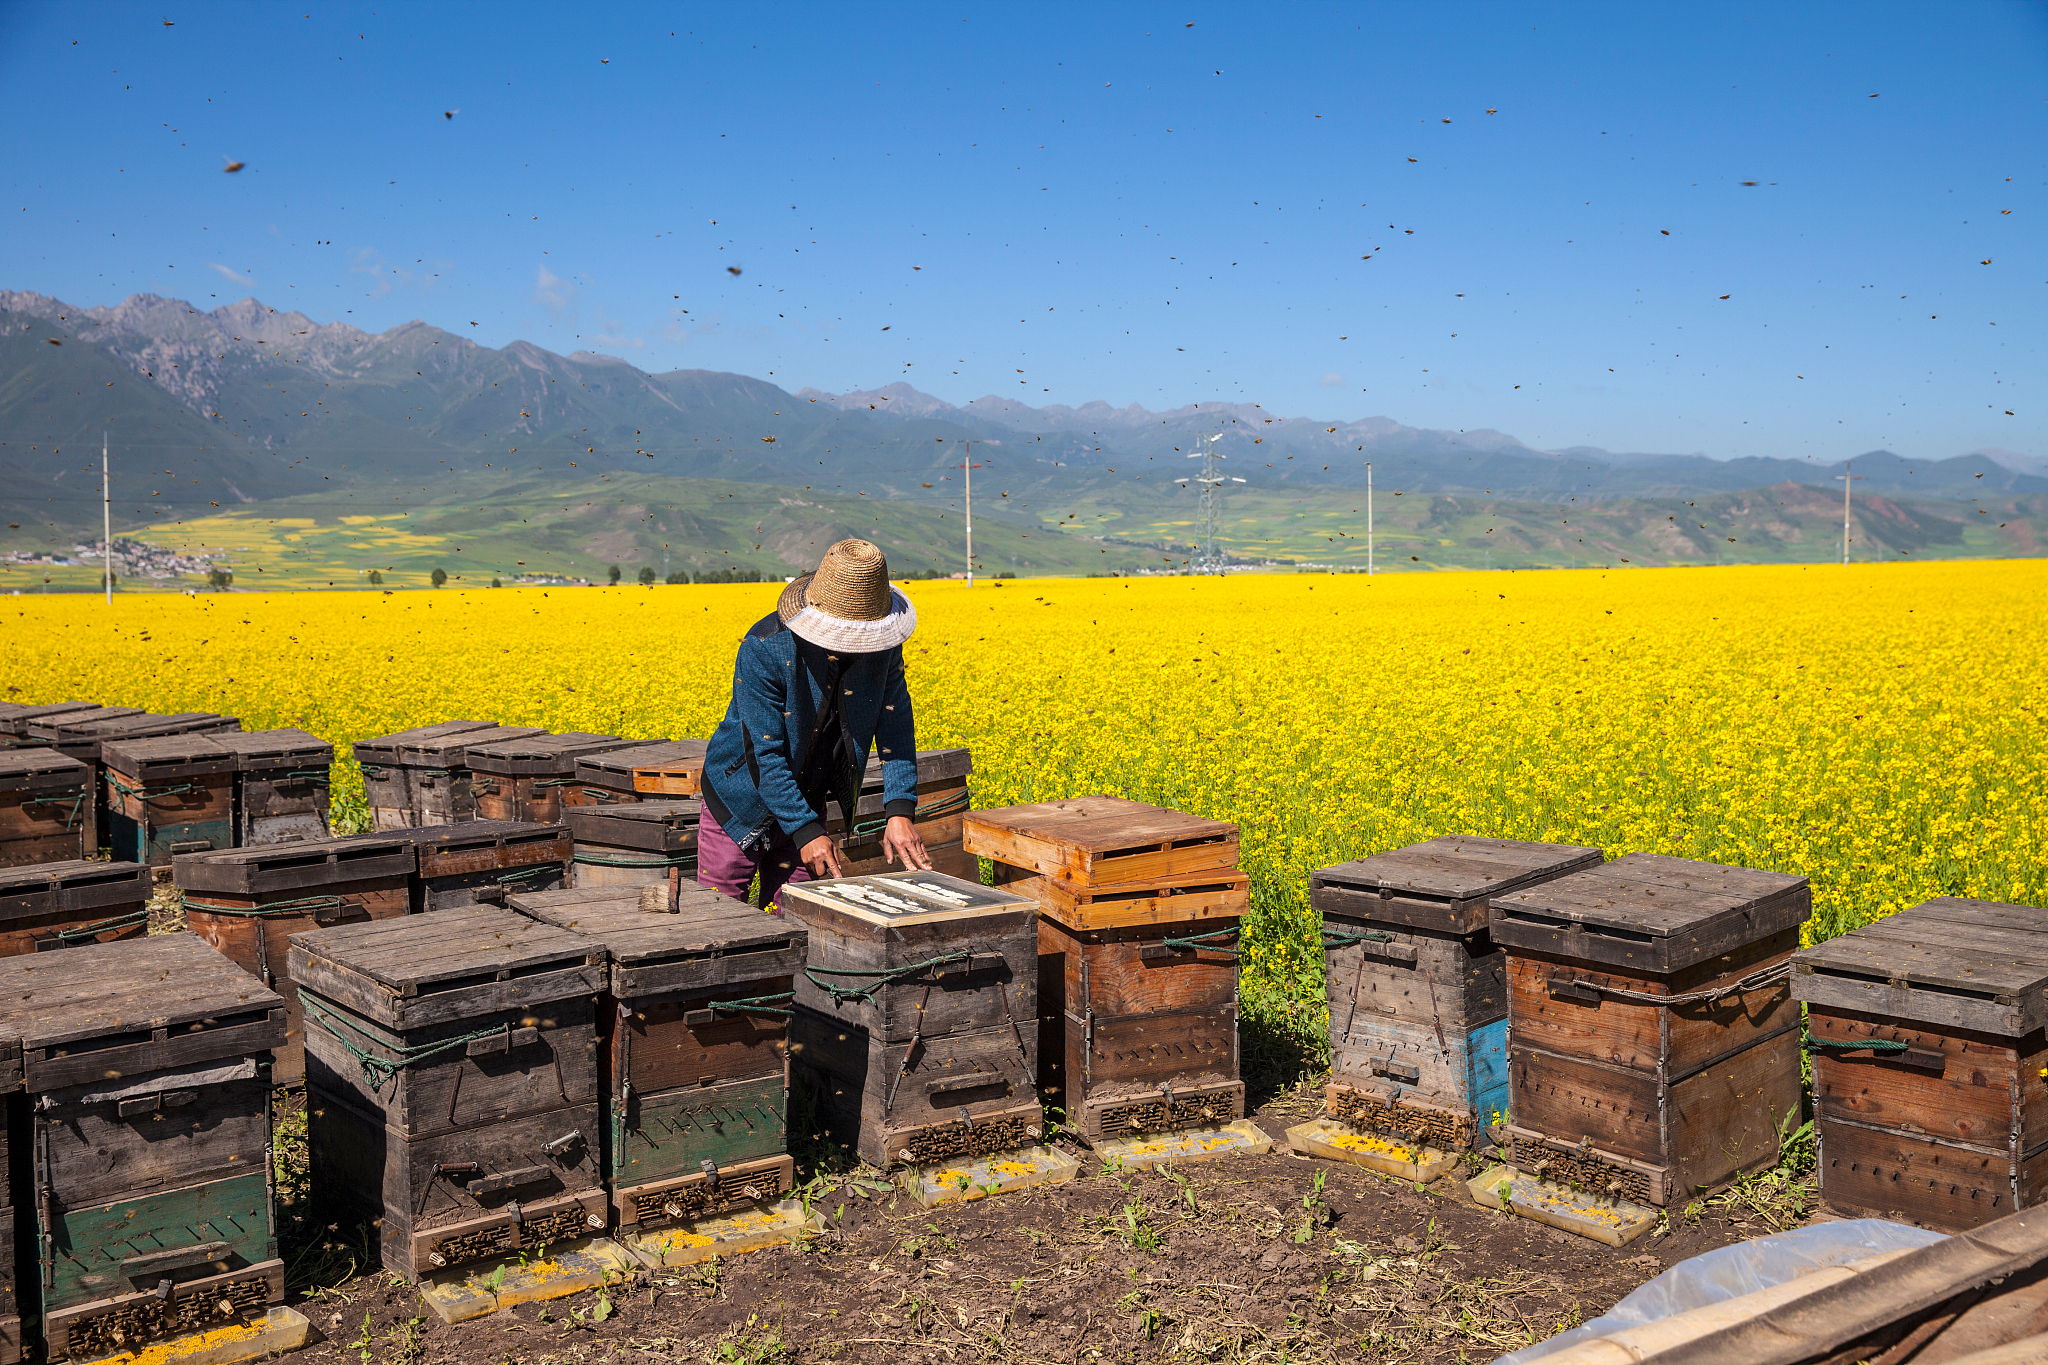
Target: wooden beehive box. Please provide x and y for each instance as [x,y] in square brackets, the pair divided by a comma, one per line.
[168,795]
[15,718]
[151,1176]
[281,785]
[247,903]
[1625,1094]
[1106,843]
[692,1051]
[606,779]
[437,772]
[484,861]
[69,729]
[942,801]
[529,779]
[1418,988]
[924,1043]
[71,904]
[1928,1047]
[634,844]
[47,807]
[451,1075]
[386,784]
[676,772]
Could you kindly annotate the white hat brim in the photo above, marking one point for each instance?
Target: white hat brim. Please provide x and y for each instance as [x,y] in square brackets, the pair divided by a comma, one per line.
[856,637]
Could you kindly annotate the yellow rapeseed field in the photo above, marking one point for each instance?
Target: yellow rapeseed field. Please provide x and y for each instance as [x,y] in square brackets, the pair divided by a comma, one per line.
[1876,728]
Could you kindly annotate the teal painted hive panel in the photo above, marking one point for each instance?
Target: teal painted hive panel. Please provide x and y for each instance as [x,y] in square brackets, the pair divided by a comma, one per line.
[674,1132]
[103,1251]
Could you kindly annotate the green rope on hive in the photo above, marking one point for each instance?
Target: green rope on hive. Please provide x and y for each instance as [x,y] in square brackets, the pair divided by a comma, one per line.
[841,994]
[378,1070]
[70,816]
[863,828]
[553,781]
[307,903]
[310,775]
[373,770]
[605,860]
[531,870]
[145,793]
[1333,938]
[1201,942]
[753,1004]
[1813,1044]
[127,921]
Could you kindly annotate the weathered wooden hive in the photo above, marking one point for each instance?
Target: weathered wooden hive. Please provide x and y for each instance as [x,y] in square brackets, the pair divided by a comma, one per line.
[1417,987]
[1653,1046]
[71,904]
[1929,1048]
[528,778]
[15,718]
[913,1014]
[942,801]
[451,1081]
[635,844]
[247,903]
[692,1053]
[437,772]
[606,779]
[483,861]
[387,782]
[13,1222]
[168,795]
[69,729]
[146,1116]
[281,785]
[48,810]
[678,772]
[83,735]
[1138,915]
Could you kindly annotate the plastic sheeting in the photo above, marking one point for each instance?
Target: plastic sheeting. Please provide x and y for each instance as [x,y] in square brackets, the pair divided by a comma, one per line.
[1730,1272]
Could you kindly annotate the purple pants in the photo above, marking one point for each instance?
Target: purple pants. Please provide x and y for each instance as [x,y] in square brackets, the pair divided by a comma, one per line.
[722,866]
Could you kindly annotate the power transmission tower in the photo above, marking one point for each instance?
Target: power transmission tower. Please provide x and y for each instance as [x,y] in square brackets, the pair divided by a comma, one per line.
[1209,557]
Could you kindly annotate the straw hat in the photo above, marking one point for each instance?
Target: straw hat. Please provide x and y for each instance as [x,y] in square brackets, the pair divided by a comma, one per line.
[849,604]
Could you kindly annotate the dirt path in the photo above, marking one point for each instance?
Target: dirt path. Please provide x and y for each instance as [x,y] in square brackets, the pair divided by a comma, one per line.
[1243,1259]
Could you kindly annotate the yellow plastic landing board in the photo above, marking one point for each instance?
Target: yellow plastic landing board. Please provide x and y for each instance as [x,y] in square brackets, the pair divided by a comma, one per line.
[998,1174]
[1189,1144]
[471,1291]
[282,1329]
[1616,1222]
[1339,1142]
[689,1243]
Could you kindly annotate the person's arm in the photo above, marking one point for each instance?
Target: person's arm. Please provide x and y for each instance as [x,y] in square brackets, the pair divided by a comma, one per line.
[896,741]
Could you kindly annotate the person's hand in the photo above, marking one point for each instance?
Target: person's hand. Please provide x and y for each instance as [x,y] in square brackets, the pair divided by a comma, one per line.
[901,843]
[821,857]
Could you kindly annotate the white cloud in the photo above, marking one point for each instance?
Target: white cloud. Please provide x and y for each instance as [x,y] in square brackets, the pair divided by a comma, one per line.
[555,294]
[230,276]
[1332,380]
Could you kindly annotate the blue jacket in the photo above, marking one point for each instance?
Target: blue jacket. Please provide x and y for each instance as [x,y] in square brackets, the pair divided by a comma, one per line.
[756,755]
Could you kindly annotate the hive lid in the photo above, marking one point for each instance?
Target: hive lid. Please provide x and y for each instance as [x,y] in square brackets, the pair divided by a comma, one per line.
[541,753]
[675,770]
[1969,964]
[72,874]
[282,867]
[670,826]
[1101,841]
[384,748]
[183,755]
[52,725]
[196,1003]
[704,922]
[1442,884]
[890,899]
[452,750]
[20,763]
[1650,913]
[613,768]
[448,965]
[263,750]
[15,716]
[933,765]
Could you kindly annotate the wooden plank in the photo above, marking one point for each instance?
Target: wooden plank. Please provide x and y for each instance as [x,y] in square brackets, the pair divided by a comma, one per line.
[1144,1051]
[1958,1086]
[1458,868]
[685,1041]
[176,1135]
[417,956]
[1957,910]
[1133,971]
[1912,1178]
[1930,960]
[1598,933]
[1203,896]
[1101,841]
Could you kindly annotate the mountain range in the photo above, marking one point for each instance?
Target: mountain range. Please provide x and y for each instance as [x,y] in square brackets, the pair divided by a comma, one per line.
[245,403]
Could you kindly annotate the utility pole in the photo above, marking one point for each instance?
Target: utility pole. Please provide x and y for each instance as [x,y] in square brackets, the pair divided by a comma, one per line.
[1368,518]
[967,473]
[1847,478]
[107,517]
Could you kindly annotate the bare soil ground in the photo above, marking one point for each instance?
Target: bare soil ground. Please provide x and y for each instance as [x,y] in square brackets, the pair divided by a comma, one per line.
[1243,1259]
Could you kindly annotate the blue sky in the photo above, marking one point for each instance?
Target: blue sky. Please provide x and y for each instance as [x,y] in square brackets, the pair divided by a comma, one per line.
[1134,203]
